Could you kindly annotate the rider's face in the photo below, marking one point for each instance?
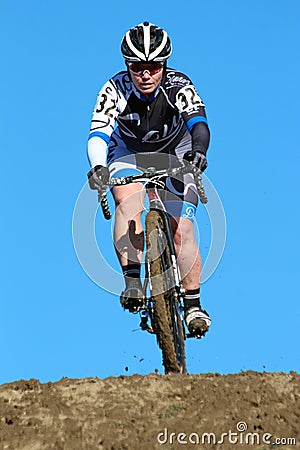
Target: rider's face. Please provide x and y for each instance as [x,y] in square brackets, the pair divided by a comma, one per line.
[146,78]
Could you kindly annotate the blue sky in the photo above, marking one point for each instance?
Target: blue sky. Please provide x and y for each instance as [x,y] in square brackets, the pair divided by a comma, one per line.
[243,59]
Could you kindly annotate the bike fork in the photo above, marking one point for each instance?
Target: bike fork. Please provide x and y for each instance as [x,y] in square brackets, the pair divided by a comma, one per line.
[169,236]
[145,312]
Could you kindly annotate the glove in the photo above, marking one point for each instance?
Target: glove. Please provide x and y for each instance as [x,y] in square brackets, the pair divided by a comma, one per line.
[98,176]
[197,158]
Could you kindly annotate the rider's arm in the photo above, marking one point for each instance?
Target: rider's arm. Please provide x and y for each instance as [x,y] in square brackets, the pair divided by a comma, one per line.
[103,123]
[195,119]
[192,110]
[200,137]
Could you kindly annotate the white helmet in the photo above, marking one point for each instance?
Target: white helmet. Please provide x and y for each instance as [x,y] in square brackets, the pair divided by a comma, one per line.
[146,42]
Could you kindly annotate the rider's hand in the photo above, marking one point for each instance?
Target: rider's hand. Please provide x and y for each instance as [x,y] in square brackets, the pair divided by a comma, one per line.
[196,158]
[98,176]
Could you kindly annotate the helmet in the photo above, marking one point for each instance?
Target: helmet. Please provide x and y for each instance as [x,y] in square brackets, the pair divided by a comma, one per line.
[146,42]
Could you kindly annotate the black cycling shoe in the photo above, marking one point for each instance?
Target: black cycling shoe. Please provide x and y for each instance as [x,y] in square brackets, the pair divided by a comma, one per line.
[197,321]
[132,298]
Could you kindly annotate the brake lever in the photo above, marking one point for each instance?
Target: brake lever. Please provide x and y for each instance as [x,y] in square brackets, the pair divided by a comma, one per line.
[197,174]
[102,199]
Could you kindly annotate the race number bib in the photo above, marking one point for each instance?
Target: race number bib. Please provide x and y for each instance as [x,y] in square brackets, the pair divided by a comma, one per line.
[187,100]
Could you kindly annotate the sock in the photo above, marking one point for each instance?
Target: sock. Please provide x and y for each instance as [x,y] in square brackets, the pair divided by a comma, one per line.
[131,273]
[192,298]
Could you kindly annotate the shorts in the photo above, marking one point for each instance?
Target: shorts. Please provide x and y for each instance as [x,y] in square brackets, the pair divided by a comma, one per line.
[179,195]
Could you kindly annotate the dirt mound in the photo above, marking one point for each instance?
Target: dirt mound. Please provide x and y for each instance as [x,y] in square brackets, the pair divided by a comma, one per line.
[211,411]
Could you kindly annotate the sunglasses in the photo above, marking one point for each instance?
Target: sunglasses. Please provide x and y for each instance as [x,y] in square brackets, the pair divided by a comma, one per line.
[140,68]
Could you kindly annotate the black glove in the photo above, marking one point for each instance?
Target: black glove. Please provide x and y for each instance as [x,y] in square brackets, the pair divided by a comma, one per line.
[98,176]
[196,158]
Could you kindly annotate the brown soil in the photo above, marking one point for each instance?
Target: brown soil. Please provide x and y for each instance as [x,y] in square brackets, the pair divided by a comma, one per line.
[141,412]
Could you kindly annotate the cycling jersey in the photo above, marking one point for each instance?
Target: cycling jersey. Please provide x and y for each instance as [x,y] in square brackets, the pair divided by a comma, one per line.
[147,125]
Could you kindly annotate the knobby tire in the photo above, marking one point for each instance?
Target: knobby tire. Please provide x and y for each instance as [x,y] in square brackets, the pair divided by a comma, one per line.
[166,320]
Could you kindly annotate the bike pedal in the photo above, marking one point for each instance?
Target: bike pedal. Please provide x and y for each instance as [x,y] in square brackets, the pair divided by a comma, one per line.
[134,309]
[195,336]
[144,323]
[145,326]
[148,329]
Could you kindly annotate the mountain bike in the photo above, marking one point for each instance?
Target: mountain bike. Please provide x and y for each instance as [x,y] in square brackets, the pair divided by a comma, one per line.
[162,311]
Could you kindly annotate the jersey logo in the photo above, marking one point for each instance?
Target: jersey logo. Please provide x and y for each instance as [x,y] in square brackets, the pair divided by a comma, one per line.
[190,212]
[175,80]
[166,130]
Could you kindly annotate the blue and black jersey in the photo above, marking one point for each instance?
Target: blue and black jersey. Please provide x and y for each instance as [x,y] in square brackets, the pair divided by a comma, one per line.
[148,125]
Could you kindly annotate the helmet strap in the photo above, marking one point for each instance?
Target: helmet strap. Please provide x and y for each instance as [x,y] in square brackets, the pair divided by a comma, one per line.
[128,71]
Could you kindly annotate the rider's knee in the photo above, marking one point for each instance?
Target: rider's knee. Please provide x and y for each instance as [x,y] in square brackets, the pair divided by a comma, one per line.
[127,195]
[183,233]
[128,207]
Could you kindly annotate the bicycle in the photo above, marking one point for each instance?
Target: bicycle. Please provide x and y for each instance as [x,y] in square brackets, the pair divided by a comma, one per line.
[164,306]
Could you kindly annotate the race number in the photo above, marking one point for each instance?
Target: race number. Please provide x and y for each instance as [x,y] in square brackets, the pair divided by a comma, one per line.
[187,100]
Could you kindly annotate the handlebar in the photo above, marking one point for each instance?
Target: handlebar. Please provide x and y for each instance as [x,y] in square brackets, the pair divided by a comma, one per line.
[152,175]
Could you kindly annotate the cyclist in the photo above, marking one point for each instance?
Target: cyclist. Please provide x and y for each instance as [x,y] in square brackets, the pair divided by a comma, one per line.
[146,112]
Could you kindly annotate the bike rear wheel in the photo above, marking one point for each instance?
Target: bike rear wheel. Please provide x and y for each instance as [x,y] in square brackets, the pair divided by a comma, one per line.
[166,318]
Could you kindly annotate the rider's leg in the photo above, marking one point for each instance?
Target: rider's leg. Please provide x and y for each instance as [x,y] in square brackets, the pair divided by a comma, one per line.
[129,240]
[128,229]
[190,265]
[188,254]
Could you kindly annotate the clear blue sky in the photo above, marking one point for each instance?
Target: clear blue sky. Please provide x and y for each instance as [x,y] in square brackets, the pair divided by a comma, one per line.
[244,59]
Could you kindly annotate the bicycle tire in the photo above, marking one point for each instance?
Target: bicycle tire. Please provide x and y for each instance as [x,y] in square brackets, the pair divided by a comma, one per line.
[166,319]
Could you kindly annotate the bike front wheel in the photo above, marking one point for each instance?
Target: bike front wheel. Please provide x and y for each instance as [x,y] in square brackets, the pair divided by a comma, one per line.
[166,319]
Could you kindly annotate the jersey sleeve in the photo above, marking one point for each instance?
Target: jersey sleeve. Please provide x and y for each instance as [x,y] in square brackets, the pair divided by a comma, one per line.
[191,106]
[104,117]
[192,109]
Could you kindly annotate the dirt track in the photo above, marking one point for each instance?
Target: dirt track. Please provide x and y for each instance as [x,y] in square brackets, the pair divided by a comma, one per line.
[141,412]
